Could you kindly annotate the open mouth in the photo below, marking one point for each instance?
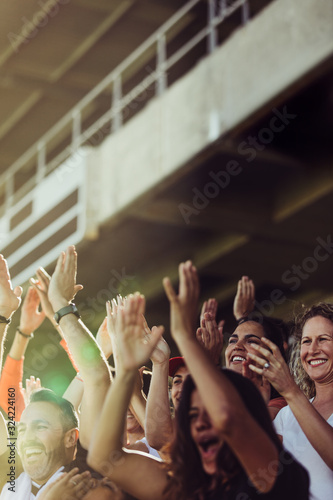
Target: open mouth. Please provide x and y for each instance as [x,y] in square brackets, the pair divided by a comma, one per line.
[32,453]
[209,447]
[317,362]
[237,359]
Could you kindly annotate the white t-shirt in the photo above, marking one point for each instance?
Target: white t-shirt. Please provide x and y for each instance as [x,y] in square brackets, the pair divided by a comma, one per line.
[151,450]
[295,441]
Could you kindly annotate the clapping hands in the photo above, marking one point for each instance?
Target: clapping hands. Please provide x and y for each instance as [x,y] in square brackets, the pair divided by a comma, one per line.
[134,344]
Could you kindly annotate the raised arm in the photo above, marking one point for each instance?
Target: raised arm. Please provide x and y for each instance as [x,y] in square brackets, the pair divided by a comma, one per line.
[318,431]
[252,446]
[88,357]
[158,424]
[9,301]
[106,454]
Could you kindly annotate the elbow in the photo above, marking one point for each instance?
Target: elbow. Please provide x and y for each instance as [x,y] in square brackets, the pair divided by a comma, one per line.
[155,442]
[99,463]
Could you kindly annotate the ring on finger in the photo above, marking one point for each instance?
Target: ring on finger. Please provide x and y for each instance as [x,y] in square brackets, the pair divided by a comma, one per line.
[73,482]
[266,365]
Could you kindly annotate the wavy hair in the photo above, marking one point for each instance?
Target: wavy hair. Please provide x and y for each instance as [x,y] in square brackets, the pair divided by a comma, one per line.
[302,379]
[187,476]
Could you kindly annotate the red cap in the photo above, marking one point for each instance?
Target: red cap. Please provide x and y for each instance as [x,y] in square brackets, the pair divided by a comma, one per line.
[174,364]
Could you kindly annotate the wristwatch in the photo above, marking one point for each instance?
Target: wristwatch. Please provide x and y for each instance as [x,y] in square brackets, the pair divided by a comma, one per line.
[70,309]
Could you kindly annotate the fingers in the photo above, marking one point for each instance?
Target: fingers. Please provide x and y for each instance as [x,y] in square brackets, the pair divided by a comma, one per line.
[43,278]
[18,290]
[60,263]
[169,291]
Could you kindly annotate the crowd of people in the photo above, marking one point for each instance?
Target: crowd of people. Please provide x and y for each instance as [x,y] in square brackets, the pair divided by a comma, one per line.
[258,428]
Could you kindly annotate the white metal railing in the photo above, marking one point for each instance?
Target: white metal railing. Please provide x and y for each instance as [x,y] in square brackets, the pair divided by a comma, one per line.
[217,12]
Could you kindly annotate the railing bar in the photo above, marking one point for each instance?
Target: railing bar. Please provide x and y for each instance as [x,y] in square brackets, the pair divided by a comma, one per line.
[227,11]
[186,48]
[100,87]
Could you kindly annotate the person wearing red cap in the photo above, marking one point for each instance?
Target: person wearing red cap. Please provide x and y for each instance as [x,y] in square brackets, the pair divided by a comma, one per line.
[178,371]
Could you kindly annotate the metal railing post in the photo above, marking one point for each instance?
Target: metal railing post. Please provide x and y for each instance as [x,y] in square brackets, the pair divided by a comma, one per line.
[41,161]
[9,194]
[76,130]
[245,12]
[117,118]
[161,83]
[212,36]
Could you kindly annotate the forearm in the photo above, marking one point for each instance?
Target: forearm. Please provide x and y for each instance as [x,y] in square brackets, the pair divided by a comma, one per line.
[11,377]
[158,424]
[74,392]
[3,332]
[219,396]
[19,345]
[107,439]
[138,407]
[93,369]
[85,350]
[317,430]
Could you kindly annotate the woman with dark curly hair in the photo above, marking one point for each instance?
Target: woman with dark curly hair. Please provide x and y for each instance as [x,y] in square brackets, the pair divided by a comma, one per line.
[224,447]
[306,425]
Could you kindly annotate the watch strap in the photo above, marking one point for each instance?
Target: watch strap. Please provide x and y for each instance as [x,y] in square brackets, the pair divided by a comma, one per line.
[70,309]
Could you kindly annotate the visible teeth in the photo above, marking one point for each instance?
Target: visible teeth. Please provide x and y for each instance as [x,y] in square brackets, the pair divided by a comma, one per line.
[33,451]
[238,358]
[317,362]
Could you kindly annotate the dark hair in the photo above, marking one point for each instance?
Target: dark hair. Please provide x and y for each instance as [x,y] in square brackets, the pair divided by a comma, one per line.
[188,478]
[272,332]
[302,379]
[69,416]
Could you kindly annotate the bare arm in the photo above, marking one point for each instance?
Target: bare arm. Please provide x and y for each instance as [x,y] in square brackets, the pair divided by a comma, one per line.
[88,356]
[318,431]
[74,392]
[158,425]
[9,301]
[106,455]
[228,414]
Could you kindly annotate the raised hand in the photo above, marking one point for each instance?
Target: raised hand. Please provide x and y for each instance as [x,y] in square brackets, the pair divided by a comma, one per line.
[209,306]
[31,317]
[69,486]
[260,381]
[32,384]
[111,323]
[10,299]
[103,339]
[210,336]
[245,298]
[271,365]
[134,346]
[63,287]
[42,288]
[184,306]
[161,353]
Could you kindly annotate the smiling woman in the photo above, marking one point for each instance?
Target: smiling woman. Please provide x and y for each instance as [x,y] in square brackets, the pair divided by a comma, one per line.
[306,426]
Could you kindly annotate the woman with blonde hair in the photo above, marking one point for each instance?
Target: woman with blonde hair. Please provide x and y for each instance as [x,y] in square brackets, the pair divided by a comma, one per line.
[306,424]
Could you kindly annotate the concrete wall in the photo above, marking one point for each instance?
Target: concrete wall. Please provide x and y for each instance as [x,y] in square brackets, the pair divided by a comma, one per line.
[275,50]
